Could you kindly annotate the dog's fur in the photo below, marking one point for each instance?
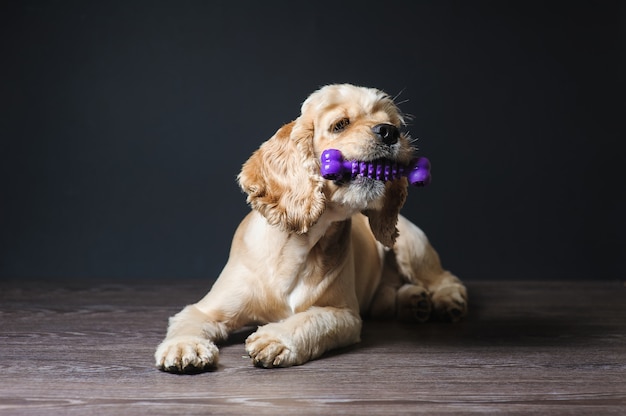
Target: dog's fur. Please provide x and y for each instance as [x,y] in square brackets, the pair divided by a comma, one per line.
[314,255]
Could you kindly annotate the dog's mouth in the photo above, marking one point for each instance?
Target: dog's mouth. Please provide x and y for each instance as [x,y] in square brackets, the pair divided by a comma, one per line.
[335,167]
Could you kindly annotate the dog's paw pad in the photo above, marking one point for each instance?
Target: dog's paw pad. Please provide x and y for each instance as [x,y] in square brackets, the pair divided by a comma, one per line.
[413,304]
[450,303]
[186,355]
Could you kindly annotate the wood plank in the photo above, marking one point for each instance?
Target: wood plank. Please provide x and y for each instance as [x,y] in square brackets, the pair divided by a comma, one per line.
[526,348]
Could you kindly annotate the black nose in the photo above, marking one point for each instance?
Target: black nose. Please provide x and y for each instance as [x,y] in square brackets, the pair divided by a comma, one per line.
[388,133]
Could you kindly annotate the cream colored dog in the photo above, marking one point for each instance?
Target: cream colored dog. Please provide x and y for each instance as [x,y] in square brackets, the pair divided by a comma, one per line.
[314,255]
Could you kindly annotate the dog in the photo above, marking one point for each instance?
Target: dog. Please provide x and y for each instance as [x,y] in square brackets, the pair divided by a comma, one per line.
[314,255]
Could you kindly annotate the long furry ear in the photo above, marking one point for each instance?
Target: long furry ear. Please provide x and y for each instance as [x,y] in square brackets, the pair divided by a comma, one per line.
[282,179]
[383,221]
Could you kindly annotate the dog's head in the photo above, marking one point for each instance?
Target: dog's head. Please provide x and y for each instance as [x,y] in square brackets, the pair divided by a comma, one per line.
[282,178]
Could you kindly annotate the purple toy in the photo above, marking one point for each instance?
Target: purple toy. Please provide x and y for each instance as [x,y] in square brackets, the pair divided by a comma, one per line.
[335,168]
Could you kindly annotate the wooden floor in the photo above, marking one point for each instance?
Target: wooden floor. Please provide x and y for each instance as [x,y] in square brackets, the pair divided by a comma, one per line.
[526,348]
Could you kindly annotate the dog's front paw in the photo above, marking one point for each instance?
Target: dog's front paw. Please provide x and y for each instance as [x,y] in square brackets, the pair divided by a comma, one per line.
[268,349]
[413,303]
[450,302]
[186,355]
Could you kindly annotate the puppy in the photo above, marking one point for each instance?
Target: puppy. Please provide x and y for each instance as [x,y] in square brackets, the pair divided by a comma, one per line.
[314,255]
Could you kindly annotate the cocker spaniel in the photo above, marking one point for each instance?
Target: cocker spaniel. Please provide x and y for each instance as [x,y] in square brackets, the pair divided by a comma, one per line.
[315,255]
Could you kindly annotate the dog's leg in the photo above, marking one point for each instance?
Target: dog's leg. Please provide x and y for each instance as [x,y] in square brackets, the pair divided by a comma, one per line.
[413,303]
[384,304]
[189,346]
[409,302]
[419,262]
[303,336]
[449,296]
[395,298]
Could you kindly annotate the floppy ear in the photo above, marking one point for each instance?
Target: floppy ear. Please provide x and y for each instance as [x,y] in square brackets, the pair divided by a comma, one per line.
[282,179]
[383,221]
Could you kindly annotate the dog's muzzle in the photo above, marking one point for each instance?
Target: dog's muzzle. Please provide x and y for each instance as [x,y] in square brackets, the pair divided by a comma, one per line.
[335,167]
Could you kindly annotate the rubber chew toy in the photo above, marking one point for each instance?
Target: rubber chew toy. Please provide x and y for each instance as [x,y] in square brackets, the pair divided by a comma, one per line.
[336,168]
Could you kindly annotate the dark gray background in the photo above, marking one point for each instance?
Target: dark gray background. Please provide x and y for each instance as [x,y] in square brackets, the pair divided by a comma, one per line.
[124,123]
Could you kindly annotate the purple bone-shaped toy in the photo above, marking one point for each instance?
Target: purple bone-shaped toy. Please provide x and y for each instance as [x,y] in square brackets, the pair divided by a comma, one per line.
[335,168]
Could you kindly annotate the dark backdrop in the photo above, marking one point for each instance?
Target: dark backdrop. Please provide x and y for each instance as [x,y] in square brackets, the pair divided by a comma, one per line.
[124,123]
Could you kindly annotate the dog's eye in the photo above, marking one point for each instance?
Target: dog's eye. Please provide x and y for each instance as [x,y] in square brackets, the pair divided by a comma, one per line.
[341,125]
